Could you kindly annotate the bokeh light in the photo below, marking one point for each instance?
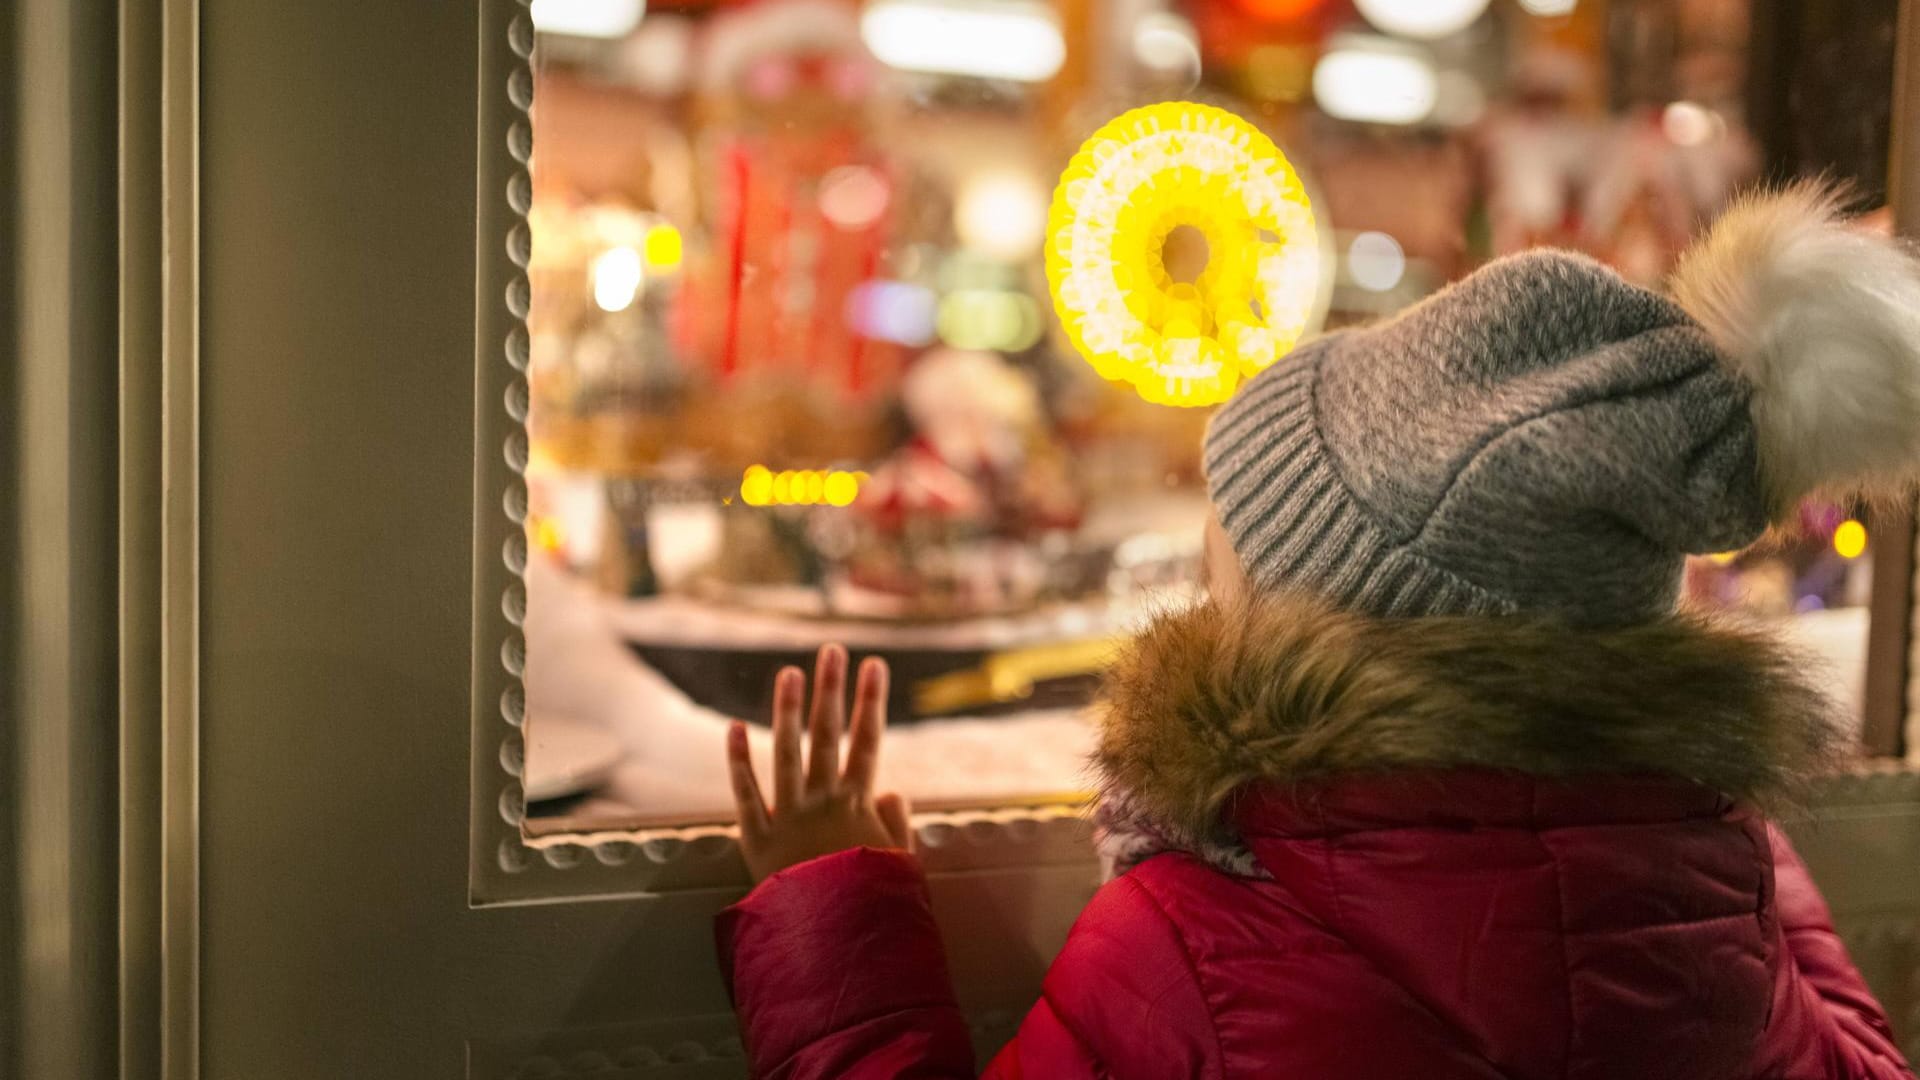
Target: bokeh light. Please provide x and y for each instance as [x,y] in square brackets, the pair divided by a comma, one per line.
[617,278]
[1850,539]
[663,248]
[1375,81]
[1422,18]
[1002,213]
[1375,261]
[853,196]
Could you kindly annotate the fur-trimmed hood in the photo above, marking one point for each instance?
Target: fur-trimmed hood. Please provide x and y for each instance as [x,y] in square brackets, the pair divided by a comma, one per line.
[1283,688]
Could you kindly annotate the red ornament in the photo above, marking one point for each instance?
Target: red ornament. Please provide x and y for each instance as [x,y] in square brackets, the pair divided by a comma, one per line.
[916,483]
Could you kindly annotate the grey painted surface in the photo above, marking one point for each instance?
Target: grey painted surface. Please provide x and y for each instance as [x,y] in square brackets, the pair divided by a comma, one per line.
[59,713]
[338,245]
[10,628]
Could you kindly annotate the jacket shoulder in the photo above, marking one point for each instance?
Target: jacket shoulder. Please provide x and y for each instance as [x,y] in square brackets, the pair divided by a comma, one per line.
[1211,911]
[1126,988]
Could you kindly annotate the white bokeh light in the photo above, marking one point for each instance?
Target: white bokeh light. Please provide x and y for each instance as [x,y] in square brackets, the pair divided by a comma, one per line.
[1166,43]
[1688,124]
[588,18]
[1002,214]
[1422,18]
[1008,40]
[1375,261]
[617,277]
[1372,80]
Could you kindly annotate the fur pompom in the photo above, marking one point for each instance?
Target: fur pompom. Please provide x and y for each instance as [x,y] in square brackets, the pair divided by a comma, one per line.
[1823,320]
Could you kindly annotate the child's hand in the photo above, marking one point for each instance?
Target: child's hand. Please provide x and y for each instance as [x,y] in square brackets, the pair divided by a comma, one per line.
[824,809]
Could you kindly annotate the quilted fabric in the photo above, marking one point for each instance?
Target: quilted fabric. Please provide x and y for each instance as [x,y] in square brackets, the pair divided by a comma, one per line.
[1437,924]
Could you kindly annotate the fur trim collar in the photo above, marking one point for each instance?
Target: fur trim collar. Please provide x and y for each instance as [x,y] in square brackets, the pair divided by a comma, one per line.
[1285,688]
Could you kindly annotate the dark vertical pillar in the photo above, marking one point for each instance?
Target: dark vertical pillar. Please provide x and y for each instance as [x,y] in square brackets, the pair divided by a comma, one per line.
[1821,89]
[1890,632]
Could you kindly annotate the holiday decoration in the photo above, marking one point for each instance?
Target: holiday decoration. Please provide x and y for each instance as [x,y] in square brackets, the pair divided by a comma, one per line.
[801,195]
[1140,182]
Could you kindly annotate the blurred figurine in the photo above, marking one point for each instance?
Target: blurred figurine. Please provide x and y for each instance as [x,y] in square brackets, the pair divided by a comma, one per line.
[982,417]
[953,516]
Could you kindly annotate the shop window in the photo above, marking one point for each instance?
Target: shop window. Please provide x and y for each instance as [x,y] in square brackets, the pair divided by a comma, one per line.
[796,377]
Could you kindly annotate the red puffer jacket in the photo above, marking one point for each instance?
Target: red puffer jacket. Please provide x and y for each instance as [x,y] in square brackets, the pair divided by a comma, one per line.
[1439,921]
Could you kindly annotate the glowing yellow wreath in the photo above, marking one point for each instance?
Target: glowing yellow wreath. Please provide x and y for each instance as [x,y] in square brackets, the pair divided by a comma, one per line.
[1138,178]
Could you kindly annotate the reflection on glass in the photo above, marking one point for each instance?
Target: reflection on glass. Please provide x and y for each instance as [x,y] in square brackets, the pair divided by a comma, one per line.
[797,376]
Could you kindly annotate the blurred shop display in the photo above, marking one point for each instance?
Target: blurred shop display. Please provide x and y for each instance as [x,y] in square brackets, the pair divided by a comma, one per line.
[794,361]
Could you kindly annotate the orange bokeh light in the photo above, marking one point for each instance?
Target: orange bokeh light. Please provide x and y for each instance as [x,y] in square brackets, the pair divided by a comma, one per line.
[1278,10]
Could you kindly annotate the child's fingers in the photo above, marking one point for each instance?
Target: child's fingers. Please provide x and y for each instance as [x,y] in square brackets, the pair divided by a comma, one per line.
[896,817]
[828,717]
[789,688]
[747,800]
[869,721]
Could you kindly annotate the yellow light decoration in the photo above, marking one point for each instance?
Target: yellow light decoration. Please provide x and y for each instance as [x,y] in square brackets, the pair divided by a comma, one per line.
[1850,539]
[663,248]
[761,486]
[756,486]
[841,488]
[1144,174]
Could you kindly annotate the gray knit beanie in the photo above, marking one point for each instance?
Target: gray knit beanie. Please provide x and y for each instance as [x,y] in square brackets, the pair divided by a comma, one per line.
[1544,437]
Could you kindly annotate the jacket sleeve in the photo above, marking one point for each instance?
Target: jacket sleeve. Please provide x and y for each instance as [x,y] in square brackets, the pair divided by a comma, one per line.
[1843,1032]
[837,971]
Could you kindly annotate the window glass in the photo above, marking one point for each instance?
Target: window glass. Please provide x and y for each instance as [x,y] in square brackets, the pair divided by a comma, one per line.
[797,377]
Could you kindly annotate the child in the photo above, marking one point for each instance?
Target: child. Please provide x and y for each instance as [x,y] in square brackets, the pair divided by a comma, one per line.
[1438,783]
